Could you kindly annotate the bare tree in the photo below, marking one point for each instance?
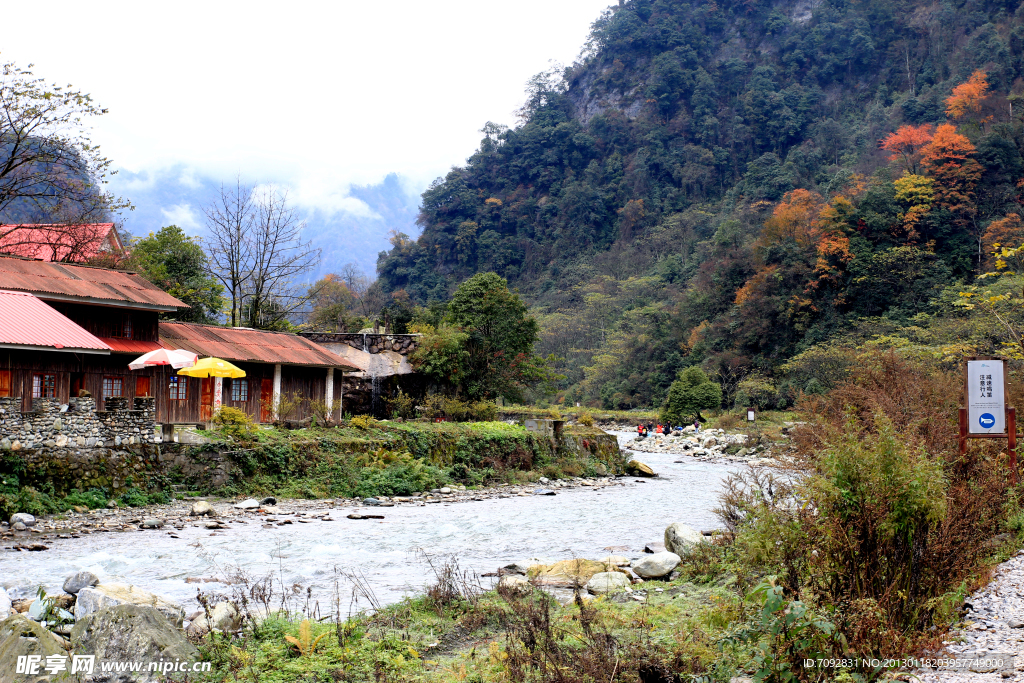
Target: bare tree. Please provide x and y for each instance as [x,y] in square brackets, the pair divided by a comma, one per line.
[257,253]
[279,257]
[230,221]
[50,172]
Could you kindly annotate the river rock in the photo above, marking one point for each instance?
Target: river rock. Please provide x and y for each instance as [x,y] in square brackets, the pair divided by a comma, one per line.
[20,637]
[24,518]
[19,526]
[371,501]
[640,468]
[77,582]
[201,508]
[5,604]
[152,523]
[247,504]
[224,617]
[655,547]
[680,538]
[515,584]
[657,565]
[617,560]
[543,492]
[607,582]
[569,573]
[130,633]
[269,500]
[104,595]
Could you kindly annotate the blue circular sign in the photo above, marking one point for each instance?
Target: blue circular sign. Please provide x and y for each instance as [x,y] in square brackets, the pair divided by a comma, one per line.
[987,420]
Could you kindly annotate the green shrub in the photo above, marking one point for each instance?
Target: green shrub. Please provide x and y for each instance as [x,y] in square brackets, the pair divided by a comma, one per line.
[134,498]
[403,406]
[92,499]
[363,422]
[400,480]
[234,423]
[688,395]
[587,420]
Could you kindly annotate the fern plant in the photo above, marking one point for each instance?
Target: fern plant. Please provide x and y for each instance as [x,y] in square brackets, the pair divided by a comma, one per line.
[305,643]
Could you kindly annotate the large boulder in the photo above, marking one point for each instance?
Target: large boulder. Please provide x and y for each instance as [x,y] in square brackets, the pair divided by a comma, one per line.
[224,617]
[21,637]
[202,509]
[515,584]
[130,633]
[607,582]
[656,566]
[680,538]
[98,597]
[23,518]
[642,469]
[77,582]
[569,573]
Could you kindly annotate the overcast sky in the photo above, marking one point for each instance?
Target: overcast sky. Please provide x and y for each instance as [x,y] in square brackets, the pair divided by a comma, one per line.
[311,95]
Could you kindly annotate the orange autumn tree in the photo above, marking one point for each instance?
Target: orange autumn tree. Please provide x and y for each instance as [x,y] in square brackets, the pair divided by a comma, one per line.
[1007,231]
[967,97]
[949,159]
[907,143]
[795,219]
[833,249]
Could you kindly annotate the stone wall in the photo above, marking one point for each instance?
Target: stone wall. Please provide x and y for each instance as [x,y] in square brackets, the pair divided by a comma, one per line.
[117,469]
[52,424]
[403,344]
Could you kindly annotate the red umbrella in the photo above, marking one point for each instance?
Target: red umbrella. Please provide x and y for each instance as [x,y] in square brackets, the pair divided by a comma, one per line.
[176,358]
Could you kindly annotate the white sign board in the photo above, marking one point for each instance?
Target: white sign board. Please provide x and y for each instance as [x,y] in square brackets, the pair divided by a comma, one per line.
[986,401]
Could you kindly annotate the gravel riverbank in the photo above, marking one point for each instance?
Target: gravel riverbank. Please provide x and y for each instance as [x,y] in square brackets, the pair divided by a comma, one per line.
[178,516]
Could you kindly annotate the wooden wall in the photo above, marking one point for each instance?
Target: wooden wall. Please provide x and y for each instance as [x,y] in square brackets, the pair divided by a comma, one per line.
[88,371]
[104,321]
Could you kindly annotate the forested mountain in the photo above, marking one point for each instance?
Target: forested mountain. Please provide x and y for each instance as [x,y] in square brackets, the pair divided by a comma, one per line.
[730,183]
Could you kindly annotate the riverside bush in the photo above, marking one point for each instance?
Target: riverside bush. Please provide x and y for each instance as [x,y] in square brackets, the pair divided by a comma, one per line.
[234,423]
[881,521]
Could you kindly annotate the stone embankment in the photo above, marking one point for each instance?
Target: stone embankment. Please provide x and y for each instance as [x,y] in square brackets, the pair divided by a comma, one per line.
[219,514]
[715,445]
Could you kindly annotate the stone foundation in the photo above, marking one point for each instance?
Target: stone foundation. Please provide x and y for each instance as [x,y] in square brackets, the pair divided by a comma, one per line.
[52,424]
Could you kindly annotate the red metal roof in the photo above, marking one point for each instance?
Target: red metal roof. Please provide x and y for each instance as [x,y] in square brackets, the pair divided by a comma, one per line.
[68,282]
[243,344]
[55,242]
[27,321]
[119,345]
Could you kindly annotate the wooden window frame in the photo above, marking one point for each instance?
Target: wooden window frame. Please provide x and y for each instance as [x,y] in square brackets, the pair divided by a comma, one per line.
[40,390]
[5,386]
[112,380]
[177,388]
[242,393]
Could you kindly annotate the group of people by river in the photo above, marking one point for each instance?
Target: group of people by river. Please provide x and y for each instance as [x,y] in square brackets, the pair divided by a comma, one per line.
[643,430]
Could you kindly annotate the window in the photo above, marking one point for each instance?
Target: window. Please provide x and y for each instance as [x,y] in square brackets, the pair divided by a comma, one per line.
[44,386]
[5,383]
[178,388]
[112,386]
[122,327]
[240,390]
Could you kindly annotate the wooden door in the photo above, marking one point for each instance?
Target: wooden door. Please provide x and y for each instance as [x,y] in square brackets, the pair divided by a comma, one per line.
[206,400]
[267,400]
[142,386]
[5,382]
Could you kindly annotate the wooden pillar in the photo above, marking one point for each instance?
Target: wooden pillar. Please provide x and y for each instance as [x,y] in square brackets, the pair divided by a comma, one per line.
[963,431]
[1011,433]
[276,400]
[329,393]
[218,393]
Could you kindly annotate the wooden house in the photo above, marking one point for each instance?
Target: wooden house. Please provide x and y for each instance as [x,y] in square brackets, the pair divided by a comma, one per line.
[65,328]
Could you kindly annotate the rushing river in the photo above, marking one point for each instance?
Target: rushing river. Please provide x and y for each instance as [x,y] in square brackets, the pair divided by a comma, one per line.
[482,534]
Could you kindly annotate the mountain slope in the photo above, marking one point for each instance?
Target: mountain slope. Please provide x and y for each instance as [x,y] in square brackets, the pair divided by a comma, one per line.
[706,185]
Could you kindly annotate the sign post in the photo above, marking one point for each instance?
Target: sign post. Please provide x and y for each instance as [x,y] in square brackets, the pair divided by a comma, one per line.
[986,415]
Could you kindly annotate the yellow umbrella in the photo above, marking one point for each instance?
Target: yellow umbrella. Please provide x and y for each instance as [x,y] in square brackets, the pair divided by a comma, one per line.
[212,367]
